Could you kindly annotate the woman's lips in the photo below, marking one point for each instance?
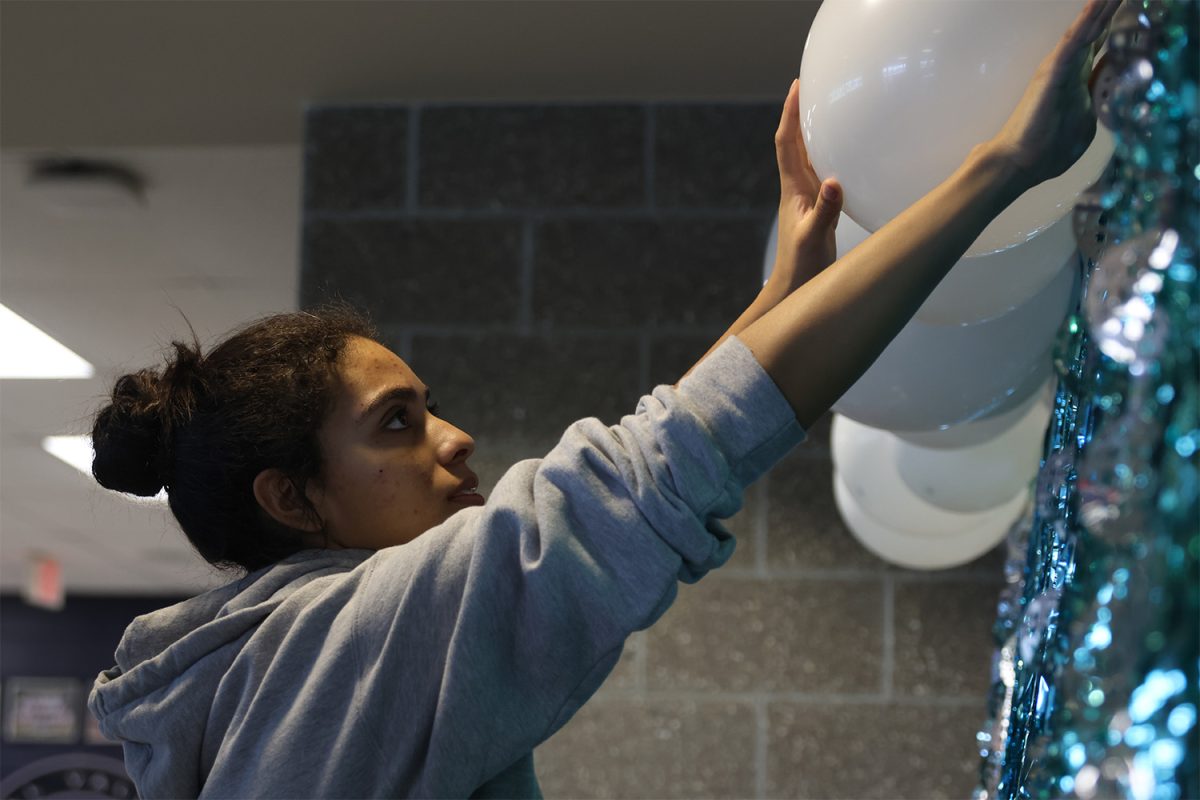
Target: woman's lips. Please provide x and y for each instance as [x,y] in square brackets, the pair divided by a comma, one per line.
[468,498]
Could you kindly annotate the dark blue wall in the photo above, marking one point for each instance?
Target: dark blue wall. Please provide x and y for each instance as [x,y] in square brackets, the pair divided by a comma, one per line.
[77,642]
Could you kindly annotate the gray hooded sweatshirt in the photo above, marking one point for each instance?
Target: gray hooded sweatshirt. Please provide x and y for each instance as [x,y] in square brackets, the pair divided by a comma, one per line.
[434,668]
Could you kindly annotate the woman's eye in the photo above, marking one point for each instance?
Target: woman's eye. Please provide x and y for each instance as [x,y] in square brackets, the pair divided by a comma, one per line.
[398,421]
[401,417]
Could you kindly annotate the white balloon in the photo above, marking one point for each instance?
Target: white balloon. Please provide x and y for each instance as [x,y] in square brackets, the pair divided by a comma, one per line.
[931,376]
[894,95]
[986,286]
[980,476]
[866,459]
[1049,201]
[922,552]
[977,287]
[980,430]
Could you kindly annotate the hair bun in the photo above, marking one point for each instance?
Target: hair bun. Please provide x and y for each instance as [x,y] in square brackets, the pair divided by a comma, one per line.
[131,436]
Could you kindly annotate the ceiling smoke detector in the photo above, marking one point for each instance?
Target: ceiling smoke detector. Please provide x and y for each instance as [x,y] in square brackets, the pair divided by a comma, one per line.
[78,187]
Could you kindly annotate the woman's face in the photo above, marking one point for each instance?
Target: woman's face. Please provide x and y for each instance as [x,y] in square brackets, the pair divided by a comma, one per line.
[391,469]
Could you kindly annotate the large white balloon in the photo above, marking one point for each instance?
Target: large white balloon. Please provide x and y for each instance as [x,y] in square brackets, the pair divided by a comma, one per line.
[922,552]
[983,429]
[866,459]
[986,286]
[894,95]
[981,476]
[892,521]
[977,287]
[931,376]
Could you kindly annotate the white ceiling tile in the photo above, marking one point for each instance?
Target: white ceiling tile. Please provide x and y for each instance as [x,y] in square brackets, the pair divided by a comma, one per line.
[219,245]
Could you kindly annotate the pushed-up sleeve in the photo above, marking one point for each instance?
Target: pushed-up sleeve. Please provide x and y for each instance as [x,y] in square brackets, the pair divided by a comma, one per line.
[482,637]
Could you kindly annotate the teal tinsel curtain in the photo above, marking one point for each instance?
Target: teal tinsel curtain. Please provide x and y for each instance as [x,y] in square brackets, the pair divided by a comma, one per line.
[1094,691]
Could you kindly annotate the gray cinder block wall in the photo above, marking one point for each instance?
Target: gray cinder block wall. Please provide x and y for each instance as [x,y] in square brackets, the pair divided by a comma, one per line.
[539,264]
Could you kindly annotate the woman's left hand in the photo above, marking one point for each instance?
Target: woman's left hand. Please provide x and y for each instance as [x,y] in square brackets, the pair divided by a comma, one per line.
[807,216]
[1054,122]
[806,220]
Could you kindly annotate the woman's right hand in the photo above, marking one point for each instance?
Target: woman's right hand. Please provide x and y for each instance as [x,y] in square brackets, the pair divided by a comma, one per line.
[1053,124]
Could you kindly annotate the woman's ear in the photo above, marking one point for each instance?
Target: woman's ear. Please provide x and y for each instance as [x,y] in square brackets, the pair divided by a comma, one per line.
[278,495]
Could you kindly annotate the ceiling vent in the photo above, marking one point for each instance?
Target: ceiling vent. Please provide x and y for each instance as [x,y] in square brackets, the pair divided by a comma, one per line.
[79,187]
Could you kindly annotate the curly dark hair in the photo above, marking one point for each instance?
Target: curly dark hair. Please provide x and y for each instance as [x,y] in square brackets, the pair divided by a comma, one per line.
[207,425]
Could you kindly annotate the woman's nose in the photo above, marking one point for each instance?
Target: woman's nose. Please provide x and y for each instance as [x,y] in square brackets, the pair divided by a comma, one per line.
[456,445]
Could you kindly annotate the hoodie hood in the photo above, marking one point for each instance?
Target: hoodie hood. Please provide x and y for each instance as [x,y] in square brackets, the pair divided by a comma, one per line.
[170,663]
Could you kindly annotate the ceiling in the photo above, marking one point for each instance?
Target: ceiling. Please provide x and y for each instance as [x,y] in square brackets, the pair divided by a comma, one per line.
[206,100]
[215,73]
[217,243]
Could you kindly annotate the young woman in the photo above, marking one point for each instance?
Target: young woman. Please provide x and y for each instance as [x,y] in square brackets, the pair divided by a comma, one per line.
[396,636]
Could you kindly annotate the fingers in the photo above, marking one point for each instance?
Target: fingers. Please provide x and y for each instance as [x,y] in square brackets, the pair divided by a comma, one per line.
[1090,23]
[790,118]
[788,133]
[1075,52]
[796,174]
[829,204]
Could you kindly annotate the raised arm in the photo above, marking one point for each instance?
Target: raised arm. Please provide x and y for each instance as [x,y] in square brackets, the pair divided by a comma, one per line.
[822,337]
[808,214]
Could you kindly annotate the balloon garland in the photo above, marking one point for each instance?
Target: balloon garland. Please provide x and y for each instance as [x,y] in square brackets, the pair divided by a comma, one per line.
[1094,691]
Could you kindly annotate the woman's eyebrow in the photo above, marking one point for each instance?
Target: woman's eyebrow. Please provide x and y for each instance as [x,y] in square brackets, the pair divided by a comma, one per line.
[404,394]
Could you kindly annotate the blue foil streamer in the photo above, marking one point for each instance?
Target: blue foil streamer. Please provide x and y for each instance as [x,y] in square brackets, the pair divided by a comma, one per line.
[1095,690]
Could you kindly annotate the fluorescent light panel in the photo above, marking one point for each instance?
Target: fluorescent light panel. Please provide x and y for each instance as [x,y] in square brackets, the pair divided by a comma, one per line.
[29,352]
[77,451]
